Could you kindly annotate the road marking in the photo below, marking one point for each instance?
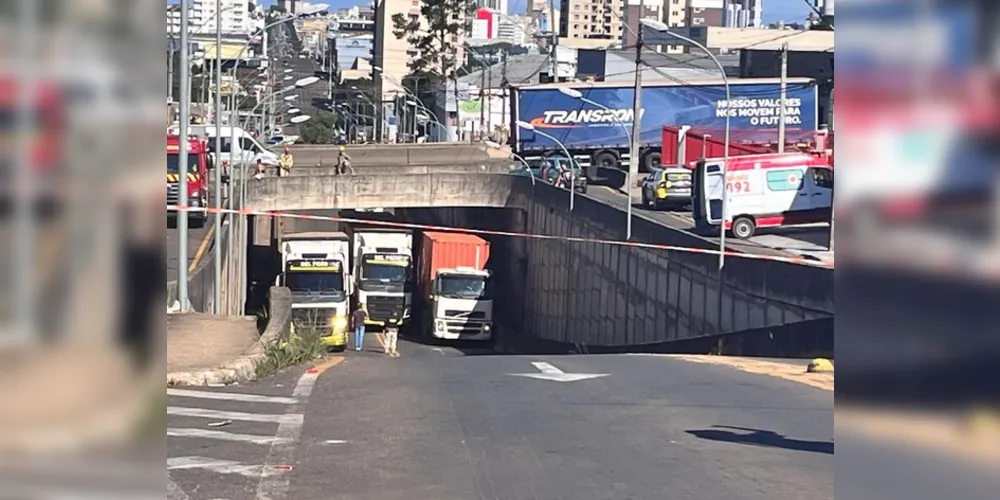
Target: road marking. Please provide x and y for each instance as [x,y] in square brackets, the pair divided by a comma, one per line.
[549,372]
[334,441]
[283,453]
[201,249]
[222,436]
[438,350]
[230,415]
[247,398]
[220,466]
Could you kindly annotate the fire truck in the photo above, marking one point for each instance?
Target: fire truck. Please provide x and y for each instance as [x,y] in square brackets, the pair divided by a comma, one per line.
[198,164]
[46,133]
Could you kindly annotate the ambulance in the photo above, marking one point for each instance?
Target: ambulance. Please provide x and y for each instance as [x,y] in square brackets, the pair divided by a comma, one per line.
[764,190]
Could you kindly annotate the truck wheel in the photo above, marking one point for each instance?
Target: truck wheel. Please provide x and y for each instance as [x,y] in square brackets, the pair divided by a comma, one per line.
[650,161]
[743,227]
[606,159]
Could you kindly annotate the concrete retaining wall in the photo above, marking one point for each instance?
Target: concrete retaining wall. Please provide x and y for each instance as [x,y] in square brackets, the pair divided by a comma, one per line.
[604,295]
[490,167]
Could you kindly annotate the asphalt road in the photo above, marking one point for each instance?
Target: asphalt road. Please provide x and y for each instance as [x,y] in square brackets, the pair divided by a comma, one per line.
[807,241]
[448,423]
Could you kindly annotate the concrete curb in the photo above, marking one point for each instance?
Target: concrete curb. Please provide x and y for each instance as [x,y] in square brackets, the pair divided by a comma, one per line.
[244,368]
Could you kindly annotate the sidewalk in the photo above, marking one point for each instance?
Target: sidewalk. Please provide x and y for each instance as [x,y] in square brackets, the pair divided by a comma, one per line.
[198,341]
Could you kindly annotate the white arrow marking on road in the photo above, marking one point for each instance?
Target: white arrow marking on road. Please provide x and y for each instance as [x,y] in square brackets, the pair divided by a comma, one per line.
[230,415]
[225,436]
[549,372]
[220,466]
[229,396]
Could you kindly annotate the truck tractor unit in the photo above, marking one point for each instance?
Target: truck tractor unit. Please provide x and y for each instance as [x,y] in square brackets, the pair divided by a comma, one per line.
[382,262]
[196,172]
[455,287]
[315,268]
[600,135]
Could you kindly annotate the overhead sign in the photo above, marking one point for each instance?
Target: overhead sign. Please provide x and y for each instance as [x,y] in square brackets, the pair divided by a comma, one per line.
[314,265]
[388,259]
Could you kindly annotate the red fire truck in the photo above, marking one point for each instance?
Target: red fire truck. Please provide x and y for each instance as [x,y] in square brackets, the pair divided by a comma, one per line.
[196,172]
[45,136]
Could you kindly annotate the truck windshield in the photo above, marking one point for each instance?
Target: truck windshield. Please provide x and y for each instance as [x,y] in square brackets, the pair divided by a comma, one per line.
[173,161]
[462,287]
[314,282]
[383,273]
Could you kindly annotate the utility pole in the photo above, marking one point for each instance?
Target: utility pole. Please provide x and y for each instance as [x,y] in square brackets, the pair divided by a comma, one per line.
[505,88]
[633,151]
[554,54]
[170,69]
[218,149]
[482,104]
[784,92]
[182,160]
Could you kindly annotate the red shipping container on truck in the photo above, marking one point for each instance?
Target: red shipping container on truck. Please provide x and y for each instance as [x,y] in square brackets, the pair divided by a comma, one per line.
[449,251]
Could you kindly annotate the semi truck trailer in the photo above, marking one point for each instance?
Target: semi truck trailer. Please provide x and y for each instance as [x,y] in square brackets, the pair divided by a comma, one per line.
[382,262]
[314,266]
[599,135]
[457,303]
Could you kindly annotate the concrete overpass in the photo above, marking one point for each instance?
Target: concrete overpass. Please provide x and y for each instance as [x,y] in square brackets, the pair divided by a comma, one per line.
[491,166]
[578,292]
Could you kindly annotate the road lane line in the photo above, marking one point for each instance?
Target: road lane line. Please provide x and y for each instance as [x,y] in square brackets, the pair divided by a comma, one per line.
[228,396]
[201,249]
[219,466]
[222,436]
[283,453]
[228,415]
[546,368]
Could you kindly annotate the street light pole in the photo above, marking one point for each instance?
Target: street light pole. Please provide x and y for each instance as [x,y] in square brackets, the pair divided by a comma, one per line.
[633,150]
[218,148]
[662,28]
[182,160]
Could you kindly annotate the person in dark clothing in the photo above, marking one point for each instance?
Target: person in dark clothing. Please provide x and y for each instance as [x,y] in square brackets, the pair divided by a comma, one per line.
[358,323]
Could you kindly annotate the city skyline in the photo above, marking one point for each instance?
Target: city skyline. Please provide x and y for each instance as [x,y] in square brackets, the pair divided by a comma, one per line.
[774,10]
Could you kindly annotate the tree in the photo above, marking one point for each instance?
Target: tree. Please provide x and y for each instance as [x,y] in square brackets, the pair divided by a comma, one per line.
[320,129]
[434,34]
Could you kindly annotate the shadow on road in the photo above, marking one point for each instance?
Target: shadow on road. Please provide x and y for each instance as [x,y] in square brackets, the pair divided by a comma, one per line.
[757,437]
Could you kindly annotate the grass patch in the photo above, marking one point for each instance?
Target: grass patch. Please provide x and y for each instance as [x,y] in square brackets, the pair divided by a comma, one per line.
[304,344]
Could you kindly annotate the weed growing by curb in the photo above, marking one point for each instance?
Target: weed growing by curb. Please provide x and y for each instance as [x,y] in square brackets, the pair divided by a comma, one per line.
[304,344]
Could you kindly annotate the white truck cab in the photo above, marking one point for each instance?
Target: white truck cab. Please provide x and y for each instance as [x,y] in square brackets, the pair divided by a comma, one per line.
[314,266]
[237,144]
[462,304]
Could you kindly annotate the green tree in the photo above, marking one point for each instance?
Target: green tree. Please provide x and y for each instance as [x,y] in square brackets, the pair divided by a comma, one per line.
[320,128]
[437,43]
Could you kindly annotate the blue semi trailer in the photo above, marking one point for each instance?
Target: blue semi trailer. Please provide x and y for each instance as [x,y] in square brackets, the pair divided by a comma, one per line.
[599,137]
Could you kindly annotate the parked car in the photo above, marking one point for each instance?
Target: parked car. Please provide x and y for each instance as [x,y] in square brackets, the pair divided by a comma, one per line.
[667,187]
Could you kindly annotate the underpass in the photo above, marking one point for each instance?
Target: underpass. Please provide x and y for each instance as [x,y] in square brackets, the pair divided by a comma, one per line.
[583,292]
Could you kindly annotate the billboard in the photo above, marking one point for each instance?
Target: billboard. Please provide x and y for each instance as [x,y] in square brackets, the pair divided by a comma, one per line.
[753,112]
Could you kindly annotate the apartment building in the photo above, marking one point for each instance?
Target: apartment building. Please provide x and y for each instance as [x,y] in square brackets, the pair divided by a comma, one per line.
[497,5]
[393,54]
[236,17]
[596,20]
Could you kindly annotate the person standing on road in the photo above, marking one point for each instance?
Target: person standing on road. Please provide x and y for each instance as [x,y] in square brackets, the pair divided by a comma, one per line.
[358,323]
[391,337]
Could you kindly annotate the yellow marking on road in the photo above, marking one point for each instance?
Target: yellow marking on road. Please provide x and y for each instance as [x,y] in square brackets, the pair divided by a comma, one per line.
[201,249]
[326,365]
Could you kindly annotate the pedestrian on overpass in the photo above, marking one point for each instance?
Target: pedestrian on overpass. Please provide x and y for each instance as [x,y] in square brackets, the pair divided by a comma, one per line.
[344,162]
[358,323]
[285,162]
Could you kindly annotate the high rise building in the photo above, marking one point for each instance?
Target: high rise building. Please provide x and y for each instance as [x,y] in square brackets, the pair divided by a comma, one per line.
[706,13]
[236,17]
[592,20]
[393,54]
[744,13]
[497,5]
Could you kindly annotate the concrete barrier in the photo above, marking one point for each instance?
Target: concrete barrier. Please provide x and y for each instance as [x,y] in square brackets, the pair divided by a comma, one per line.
[375,191]
[393,154]
[491,167]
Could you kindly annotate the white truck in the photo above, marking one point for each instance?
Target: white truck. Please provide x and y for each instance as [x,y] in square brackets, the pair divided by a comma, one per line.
[314,266]
[245,149]
[457,301]
[382,262]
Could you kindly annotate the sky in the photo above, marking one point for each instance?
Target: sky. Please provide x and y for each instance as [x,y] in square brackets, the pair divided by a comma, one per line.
[774,10]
